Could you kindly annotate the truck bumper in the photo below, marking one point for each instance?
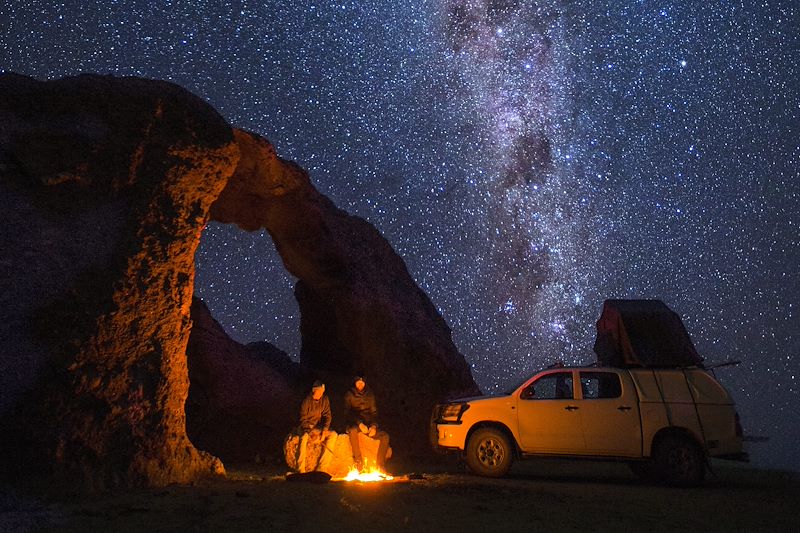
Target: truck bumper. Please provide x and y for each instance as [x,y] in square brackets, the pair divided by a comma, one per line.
[449,436]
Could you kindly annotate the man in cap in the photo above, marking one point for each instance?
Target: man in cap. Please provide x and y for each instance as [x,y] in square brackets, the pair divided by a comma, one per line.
[362,417]
[315,421]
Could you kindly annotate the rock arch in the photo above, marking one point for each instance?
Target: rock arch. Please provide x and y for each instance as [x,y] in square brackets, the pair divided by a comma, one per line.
[107,183]
[360,309]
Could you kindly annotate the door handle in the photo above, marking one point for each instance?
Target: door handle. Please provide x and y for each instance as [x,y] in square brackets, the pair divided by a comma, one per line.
[623,408]
[571,407]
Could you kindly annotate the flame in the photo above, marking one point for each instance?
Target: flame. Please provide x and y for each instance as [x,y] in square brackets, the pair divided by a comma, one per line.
[373,474]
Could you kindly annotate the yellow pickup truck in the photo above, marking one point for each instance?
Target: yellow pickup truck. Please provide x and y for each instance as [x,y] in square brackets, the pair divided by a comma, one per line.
[664,422]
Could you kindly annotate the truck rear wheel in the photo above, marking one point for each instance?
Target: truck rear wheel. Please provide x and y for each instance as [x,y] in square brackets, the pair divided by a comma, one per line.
[489,453]
[679,461]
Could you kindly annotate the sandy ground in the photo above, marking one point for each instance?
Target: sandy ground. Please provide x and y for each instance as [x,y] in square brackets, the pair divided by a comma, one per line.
[538,495]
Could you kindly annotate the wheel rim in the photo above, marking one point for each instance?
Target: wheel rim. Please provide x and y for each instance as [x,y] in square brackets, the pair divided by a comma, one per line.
[682,461]
[491,452]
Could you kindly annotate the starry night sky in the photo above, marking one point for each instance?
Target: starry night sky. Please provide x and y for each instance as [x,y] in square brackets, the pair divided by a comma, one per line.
[527,159]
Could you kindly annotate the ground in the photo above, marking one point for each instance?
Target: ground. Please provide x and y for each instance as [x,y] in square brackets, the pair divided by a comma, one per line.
[538,495]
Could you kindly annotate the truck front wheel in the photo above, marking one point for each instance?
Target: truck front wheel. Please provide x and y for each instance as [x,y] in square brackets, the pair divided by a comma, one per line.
[489,453]
[679,461]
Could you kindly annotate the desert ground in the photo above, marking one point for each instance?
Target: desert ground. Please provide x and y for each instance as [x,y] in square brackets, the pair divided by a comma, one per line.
[538,495]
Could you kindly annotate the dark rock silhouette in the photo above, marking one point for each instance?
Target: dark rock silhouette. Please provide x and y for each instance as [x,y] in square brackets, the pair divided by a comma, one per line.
[106,184]
[243,399]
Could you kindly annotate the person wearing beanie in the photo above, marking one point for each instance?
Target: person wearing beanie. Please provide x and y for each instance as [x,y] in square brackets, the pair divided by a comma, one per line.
[362,417]
[315,421]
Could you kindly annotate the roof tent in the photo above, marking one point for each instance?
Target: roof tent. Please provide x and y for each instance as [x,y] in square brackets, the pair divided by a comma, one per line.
[643,333]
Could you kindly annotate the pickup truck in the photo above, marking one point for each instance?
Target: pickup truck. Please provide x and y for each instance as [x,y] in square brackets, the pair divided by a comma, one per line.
[664,422]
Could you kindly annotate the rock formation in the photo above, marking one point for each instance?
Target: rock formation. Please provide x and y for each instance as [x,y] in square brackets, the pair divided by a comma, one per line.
[243,399]
[341,462]
[360,309]
[106,184]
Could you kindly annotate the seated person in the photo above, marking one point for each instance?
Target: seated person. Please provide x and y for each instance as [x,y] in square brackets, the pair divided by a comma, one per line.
[315,421]
[362,417]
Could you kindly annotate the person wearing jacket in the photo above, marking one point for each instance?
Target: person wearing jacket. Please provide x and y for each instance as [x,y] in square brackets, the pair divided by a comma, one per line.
[315,421]
[362,417]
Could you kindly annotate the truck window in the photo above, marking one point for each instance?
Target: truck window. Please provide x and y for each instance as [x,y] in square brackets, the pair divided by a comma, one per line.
[557,386]
[598,385]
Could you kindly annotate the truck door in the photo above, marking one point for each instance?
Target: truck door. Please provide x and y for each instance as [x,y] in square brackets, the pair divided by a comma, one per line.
[609,411]
[548,415]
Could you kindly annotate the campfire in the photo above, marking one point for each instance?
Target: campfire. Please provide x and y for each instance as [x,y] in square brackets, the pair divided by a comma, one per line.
[367,475]
[372,475]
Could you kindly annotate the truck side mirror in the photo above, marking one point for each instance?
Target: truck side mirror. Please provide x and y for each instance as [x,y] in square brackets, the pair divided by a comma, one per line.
[527,393]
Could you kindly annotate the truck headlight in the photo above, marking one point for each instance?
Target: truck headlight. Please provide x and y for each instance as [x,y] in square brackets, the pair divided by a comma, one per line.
[451,413]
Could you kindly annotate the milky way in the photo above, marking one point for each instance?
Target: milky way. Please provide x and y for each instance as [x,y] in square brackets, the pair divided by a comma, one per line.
[527,160]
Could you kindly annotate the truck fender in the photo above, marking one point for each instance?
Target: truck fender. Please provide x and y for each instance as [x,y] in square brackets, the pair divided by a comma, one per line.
[677,431]
[494,424]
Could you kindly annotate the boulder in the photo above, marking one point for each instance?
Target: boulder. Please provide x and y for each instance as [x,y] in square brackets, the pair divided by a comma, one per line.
[342,462]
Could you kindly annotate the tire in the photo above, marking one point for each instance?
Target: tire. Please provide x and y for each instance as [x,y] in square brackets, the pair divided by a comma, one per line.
[679,461]
[489,453]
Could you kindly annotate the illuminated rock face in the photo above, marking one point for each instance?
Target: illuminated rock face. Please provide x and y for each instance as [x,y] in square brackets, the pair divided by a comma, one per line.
[105,186]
